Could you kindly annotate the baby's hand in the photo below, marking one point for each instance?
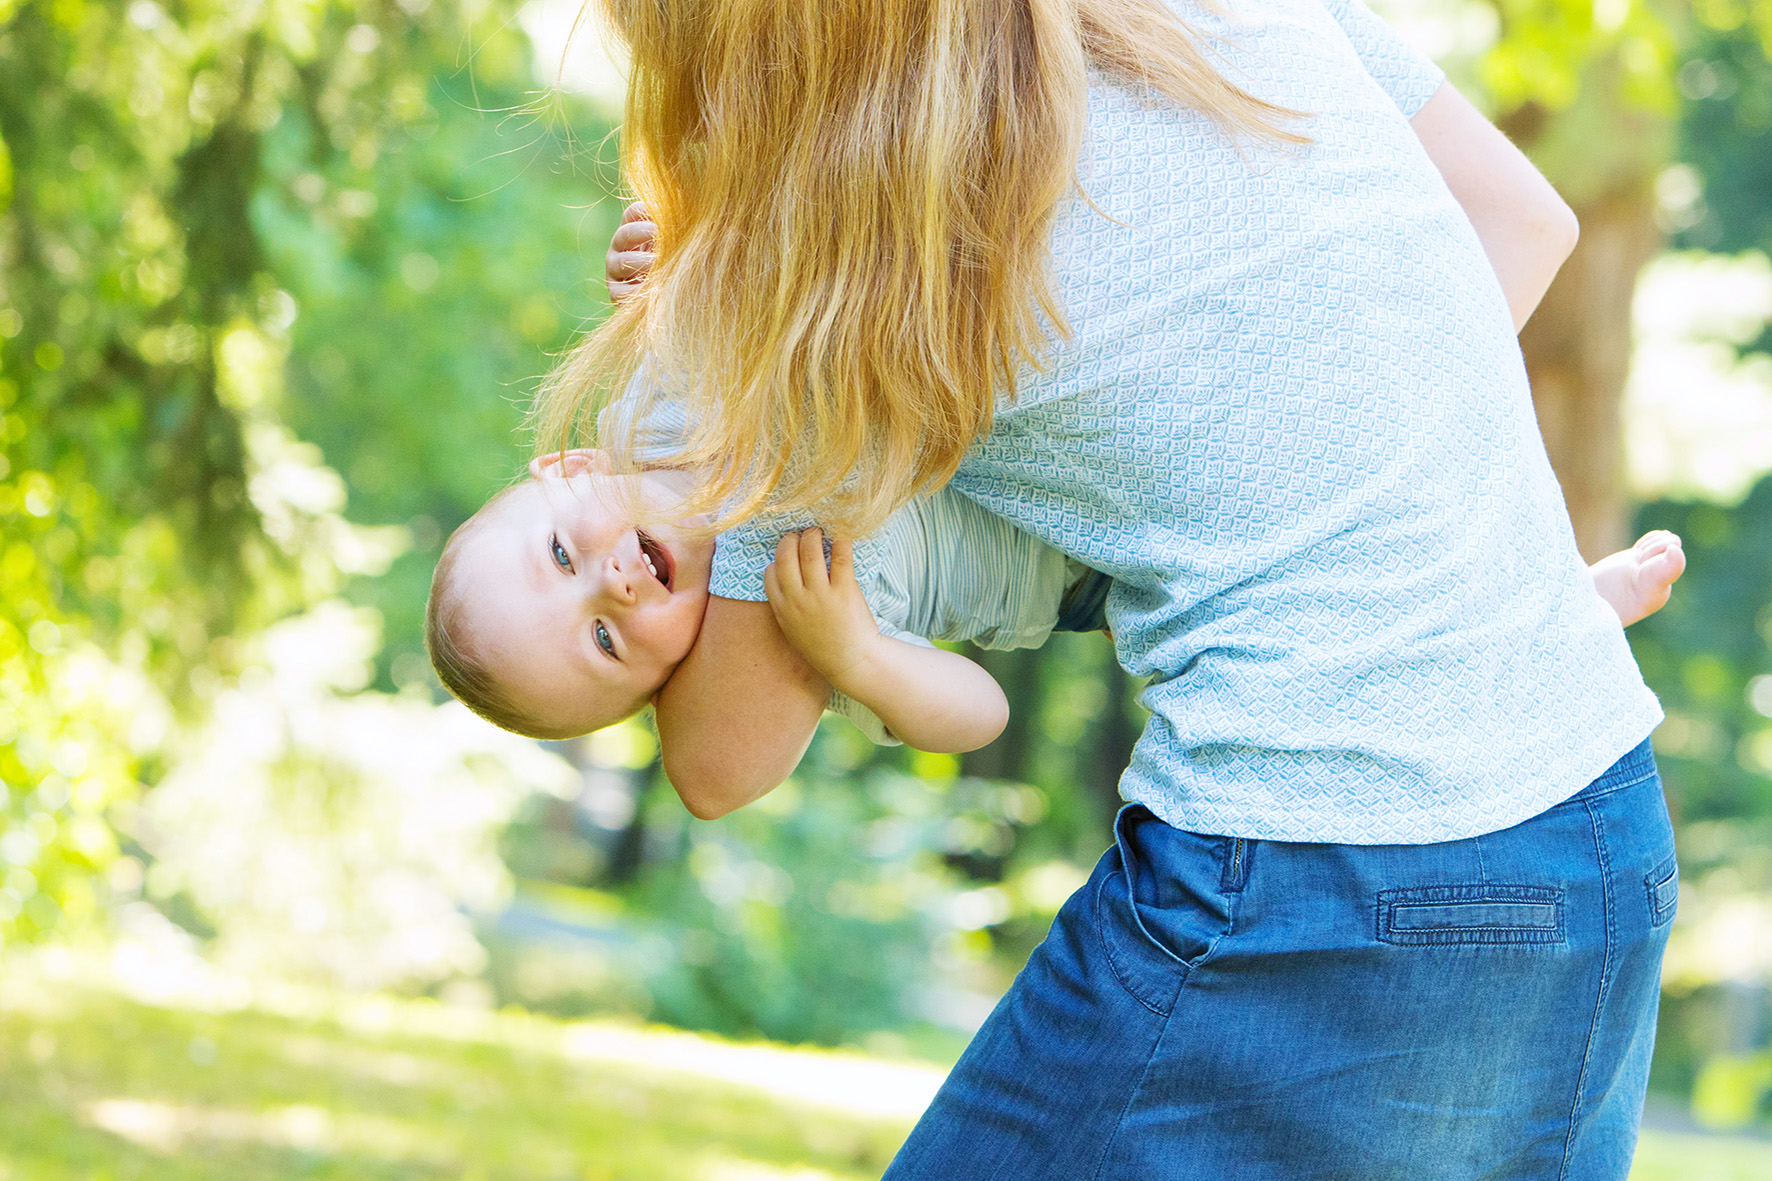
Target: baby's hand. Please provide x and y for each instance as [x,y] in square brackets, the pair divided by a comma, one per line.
[1638,581]
[630,252]
[822,612]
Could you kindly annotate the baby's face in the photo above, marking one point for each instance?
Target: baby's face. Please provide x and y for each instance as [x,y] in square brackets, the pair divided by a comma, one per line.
[575,611]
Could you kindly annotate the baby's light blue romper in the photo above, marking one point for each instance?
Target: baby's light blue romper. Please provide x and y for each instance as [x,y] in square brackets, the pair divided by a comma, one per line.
[943,568]
[1390,898]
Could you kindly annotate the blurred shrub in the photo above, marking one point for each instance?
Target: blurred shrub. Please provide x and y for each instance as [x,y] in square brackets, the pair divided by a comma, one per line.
[842,904]
[330,834]
[1708,655]
[806,917]
[175,182]
[1732,1090]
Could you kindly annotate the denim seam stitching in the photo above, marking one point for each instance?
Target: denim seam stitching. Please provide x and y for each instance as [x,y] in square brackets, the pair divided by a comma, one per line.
[1593,1032]
[1132,1091]
[1530,892]
[1168,1019]
[1389,900]
[1120,974]
[1601,793]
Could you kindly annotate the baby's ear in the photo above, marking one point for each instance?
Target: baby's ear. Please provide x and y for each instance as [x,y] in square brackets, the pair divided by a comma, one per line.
[566,464]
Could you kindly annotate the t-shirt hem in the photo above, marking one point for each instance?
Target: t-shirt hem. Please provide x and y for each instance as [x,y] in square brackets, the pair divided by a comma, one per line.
[1419,827]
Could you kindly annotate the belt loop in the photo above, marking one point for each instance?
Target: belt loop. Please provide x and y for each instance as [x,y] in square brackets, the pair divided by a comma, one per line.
[1236,865]
[1124,819]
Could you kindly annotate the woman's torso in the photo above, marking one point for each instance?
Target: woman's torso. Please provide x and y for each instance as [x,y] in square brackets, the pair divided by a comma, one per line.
[1294,424]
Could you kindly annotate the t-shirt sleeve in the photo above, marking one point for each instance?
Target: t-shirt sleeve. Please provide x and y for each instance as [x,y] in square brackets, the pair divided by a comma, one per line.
[1404,72]
[743,552]
[862,718]
[656,426]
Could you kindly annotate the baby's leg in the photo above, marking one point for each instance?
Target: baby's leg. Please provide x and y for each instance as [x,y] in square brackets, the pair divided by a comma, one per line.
[1637,581]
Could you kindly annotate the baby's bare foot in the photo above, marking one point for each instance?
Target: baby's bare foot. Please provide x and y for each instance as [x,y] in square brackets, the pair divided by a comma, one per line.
[1637,581]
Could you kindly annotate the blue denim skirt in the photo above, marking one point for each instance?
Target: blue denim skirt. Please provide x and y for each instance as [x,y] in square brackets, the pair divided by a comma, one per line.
[1218,1008]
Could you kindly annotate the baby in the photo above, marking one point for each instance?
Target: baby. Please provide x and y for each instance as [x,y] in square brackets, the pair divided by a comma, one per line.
[552,614]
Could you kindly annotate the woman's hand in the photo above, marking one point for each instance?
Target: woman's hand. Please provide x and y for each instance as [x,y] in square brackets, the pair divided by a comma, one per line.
[821,611]
[631,252]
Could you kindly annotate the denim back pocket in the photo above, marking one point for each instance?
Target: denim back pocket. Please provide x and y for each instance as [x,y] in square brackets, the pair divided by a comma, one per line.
[1485,913]
[1663,885]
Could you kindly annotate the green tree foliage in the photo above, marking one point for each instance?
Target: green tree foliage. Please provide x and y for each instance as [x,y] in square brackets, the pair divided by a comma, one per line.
[129,527]
[435,267]
[1708,654]
[1726,137]
[168,176]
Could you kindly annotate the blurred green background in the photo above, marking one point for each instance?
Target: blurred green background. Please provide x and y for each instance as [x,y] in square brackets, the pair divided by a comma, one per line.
[276,280]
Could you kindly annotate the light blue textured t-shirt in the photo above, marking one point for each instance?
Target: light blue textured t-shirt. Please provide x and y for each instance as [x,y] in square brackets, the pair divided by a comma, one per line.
[1293,423]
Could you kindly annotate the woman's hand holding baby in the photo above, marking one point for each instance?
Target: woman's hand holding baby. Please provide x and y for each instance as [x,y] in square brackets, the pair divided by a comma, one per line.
[631,252]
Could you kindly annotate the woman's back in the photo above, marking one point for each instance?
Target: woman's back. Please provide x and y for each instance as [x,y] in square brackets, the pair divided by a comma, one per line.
[1293,423]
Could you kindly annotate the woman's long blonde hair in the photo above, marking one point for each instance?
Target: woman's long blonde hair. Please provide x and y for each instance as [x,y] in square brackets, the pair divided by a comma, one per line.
[854,201]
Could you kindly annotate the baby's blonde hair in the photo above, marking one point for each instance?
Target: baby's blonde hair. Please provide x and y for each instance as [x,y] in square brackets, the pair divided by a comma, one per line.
[854,202]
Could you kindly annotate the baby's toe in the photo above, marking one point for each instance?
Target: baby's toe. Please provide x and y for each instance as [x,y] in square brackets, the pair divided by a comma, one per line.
[1654,542]
[1663,568]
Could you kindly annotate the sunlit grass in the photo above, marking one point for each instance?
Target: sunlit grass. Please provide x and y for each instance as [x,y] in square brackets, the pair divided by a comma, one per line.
[1668,1156]
[97,1086]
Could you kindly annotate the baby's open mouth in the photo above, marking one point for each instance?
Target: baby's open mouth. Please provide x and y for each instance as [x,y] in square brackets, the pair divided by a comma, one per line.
[657,558]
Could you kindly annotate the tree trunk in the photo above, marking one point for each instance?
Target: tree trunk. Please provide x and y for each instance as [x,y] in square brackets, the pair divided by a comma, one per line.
[1017,670]
[1577,348]
[1111,740]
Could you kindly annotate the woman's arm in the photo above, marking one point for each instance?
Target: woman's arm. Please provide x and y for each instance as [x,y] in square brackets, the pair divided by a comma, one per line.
[928,698]
[738,713]
[1525,227]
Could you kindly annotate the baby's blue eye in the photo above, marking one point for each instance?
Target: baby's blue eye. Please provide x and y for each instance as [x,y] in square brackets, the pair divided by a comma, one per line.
[603,640]
[561,558]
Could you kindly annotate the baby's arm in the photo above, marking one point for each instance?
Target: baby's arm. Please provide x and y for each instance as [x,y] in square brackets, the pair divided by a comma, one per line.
[737,714]
[928,698]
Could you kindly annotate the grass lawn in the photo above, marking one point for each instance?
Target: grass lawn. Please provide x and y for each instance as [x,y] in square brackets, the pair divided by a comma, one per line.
[97,1086]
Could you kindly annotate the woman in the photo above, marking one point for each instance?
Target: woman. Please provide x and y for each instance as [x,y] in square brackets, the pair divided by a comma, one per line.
[1390,896]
